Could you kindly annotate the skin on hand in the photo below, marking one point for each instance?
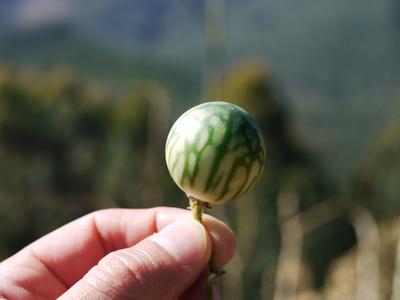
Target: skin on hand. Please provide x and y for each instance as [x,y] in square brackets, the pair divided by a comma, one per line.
[158,253]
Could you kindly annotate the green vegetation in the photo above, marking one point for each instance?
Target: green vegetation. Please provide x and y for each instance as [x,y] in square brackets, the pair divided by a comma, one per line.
[69,145]
[376,183]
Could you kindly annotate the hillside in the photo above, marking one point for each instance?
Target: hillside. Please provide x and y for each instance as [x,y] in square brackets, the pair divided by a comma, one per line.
[63,46]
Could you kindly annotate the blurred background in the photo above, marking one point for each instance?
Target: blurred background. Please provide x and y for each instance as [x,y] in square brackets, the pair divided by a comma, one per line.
[89,89]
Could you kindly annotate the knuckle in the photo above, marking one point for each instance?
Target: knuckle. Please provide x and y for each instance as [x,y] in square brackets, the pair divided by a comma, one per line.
[133,271]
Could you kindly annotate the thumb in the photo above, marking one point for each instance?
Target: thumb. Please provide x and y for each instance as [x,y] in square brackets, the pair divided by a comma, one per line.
[161,266]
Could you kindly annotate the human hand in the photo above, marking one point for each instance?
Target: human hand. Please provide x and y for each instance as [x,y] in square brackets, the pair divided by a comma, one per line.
[158,253]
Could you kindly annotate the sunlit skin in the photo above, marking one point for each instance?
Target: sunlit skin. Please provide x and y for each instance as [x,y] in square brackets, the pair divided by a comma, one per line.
[117,254]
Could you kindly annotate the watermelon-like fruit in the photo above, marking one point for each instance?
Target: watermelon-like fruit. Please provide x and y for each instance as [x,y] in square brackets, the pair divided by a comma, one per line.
[215,152]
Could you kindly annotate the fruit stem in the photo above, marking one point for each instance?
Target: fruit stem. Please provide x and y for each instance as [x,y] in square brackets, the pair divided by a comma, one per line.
[214,283]
[197,207]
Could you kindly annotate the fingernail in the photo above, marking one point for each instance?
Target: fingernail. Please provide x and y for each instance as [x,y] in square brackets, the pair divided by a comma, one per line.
[185,240]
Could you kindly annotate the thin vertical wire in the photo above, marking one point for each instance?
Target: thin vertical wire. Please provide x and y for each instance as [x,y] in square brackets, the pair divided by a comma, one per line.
[215,44]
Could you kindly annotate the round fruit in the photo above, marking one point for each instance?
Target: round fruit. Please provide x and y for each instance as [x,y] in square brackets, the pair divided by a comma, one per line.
[215,152]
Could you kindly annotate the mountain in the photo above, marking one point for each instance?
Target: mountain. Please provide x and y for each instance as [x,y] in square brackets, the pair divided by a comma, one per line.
[333,47]
[62,45]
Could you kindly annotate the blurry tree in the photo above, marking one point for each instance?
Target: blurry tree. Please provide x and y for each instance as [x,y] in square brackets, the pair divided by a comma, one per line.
[376,185]
[68,147]
[370,270]
[289,168]
[134,172]
[52,131]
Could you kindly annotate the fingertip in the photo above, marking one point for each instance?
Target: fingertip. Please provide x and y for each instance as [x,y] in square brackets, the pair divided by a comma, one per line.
[186,240]
[223,239]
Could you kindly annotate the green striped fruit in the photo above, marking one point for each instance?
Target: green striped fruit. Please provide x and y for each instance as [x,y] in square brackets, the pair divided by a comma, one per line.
[215,152]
